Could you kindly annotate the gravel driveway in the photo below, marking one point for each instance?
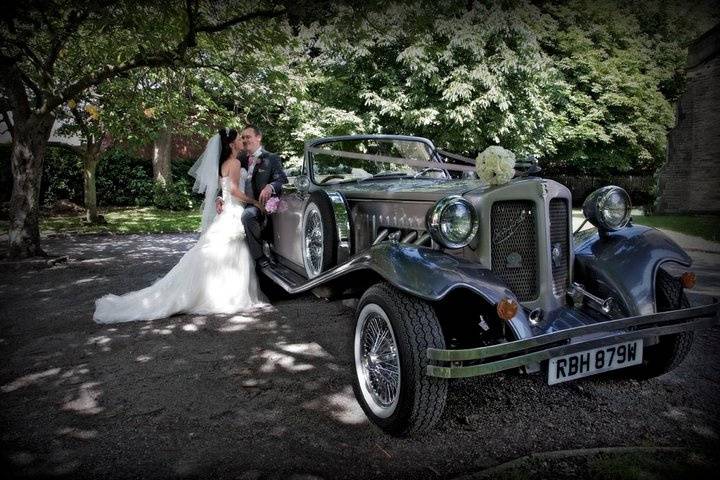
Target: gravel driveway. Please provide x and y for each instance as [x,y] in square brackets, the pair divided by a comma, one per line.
[268,395]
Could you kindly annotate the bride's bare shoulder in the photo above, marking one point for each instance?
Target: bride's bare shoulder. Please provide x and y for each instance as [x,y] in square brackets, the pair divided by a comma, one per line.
[230,166]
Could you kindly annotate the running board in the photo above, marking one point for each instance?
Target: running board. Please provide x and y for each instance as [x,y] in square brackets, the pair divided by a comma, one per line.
[283,276]
[294,283]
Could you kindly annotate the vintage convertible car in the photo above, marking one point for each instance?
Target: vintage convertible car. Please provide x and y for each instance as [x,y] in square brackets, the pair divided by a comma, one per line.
[457,278]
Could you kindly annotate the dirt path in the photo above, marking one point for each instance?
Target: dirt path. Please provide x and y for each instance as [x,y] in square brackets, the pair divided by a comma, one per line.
[269,396]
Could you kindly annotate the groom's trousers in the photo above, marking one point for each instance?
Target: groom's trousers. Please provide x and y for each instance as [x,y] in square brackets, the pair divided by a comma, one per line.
[252,220]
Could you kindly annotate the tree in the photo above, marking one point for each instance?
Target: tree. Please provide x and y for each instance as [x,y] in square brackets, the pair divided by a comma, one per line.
[621,67]
[96,140]
[587,86]
[53,52]
[465,75]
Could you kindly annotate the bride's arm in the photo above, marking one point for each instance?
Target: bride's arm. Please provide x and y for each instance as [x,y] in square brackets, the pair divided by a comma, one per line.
[234,187]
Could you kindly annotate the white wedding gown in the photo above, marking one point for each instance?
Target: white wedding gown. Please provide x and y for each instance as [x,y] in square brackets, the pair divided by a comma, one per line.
[217,275]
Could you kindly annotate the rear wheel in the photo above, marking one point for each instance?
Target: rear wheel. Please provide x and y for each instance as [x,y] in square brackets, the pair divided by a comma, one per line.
[671,350]
[319,247]
[392,334]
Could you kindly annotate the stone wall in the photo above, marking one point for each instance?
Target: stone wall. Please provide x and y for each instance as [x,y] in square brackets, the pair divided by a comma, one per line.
[689,182]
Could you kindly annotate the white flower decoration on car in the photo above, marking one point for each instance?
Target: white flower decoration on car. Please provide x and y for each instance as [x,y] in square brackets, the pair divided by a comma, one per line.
[495,165]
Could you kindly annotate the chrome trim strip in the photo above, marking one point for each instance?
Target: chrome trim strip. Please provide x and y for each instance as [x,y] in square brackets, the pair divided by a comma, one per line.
[410,237]
[423,238]
[381,236]
[342,222]
[519,361]
[563,335]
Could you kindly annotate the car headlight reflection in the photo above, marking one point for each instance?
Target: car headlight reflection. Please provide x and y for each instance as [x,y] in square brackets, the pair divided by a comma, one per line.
[608,208]
[452,222]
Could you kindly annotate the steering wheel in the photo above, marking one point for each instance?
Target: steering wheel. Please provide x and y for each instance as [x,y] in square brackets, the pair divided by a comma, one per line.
[331,177]
[426,170]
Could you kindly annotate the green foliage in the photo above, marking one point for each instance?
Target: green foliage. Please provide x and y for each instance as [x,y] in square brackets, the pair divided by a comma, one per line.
[62,177]
[180,167]
[612,114]
[174,196]
[587,86]
[124,180]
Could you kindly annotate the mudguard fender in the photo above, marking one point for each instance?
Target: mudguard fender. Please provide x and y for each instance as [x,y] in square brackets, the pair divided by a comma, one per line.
[432,274]
[624,264]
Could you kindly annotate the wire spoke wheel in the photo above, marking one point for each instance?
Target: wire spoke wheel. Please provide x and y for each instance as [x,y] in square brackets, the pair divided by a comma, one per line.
[377,361]
[380,362]
[313,240]
[392,334]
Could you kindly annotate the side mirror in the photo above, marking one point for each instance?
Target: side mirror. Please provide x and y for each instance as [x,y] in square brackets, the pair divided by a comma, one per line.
[302,183]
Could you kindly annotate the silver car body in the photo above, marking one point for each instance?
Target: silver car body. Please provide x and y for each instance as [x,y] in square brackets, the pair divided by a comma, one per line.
[524,250]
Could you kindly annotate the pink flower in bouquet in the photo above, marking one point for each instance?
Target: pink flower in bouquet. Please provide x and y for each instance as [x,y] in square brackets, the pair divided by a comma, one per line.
[272,205]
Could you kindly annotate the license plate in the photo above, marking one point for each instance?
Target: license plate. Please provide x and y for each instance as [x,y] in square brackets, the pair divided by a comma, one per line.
[597,360]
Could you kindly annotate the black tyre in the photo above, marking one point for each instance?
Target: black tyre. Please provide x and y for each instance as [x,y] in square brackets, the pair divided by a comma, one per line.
[319,235]
[671,350]
[392,334]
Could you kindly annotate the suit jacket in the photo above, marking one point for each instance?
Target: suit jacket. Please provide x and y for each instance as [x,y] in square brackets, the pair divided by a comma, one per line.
[268,172]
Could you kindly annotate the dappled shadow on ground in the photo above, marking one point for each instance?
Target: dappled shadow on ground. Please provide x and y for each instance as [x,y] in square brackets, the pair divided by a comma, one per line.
[268,392]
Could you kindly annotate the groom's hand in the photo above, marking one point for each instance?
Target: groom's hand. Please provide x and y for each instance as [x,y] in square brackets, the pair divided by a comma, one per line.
[218,206]
[265,194]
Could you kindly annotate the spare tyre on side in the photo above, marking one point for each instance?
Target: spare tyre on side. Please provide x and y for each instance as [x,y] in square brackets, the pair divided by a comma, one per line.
[319,235]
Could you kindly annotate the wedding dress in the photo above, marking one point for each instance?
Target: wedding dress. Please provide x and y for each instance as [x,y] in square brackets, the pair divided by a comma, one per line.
[217,275]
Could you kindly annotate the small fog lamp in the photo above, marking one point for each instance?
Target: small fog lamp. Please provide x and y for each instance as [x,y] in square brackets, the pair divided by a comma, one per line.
[688,279]
[507,308]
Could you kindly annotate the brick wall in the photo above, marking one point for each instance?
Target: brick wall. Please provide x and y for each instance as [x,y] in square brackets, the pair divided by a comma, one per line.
[689,182]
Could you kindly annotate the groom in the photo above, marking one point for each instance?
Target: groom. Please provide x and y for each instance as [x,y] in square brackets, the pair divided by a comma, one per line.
[265,179]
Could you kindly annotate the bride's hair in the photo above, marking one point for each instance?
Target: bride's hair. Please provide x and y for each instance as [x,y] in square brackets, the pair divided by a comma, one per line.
[227,136]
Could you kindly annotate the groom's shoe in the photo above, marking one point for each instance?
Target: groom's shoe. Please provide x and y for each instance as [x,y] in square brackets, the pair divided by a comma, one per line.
[266,261]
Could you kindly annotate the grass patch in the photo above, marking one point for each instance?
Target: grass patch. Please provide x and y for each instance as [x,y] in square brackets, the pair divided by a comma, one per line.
[122,221]
[705,226]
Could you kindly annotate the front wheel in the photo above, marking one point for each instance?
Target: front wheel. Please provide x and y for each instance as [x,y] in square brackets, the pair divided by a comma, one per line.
[392,334]
[670,350]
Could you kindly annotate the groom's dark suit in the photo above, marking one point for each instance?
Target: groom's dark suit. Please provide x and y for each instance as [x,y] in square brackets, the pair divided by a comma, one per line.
[267,170]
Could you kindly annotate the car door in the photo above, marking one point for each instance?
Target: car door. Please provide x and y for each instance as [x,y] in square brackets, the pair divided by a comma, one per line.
[287,225]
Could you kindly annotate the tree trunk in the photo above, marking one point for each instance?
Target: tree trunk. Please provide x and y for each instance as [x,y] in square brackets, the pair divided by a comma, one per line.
[162,154]
[26,159]
[91,157]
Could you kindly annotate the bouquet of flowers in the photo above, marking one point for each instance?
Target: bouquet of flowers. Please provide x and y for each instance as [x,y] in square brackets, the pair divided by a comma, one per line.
[495,165]
[274,204]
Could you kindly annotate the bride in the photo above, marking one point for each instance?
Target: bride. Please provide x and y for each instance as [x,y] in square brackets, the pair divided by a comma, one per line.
[217,275]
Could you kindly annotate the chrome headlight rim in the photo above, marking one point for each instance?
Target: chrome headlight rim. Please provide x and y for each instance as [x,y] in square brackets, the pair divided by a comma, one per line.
[434,221]
[596,204]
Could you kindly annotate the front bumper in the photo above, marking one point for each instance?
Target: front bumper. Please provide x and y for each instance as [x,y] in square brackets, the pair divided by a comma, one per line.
[504,356]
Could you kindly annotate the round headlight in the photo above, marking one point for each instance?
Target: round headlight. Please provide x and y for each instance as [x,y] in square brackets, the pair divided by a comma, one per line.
[452,222]
[608,208]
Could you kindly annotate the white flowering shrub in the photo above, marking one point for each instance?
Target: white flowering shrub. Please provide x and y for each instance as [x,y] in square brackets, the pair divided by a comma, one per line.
[495,165]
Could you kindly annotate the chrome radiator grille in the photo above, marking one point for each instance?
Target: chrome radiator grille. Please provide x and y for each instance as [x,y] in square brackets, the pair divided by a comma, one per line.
[514,246]
[559,250]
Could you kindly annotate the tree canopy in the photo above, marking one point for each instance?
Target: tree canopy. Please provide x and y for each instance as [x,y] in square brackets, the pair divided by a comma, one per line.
[587,86]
